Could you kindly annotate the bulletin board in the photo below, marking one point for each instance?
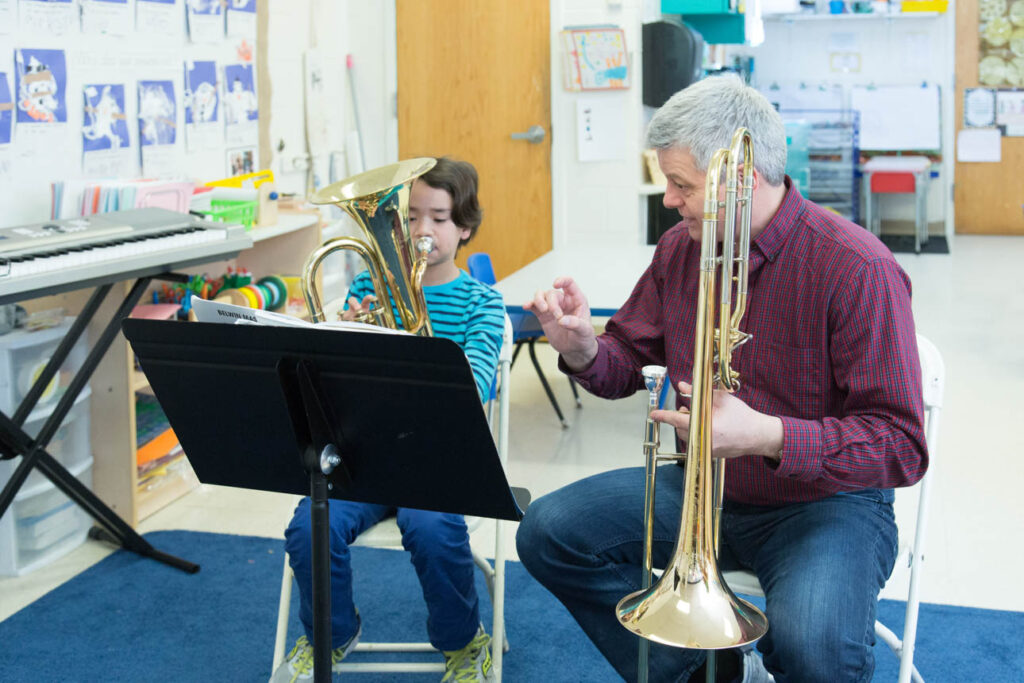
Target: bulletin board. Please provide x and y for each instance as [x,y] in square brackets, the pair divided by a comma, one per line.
[121,89]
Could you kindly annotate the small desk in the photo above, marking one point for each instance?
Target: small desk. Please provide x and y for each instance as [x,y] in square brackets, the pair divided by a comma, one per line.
[606,273]
[888,175]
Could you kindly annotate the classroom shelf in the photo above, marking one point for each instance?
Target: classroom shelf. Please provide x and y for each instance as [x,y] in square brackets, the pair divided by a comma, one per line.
[851,16]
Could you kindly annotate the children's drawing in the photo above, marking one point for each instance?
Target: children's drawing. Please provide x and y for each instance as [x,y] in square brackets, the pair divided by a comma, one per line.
[240,104]
[243,6]
[157,113]
[6,110]
[41,77]
[200,92]
[596,59]
[204,6]
[104,125]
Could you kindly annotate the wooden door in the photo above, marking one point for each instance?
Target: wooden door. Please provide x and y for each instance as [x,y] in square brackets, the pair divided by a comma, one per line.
[987,197]
[470,74]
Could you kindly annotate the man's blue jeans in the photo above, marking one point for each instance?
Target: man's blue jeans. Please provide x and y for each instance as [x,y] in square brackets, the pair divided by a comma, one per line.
[439,545]
[821,565]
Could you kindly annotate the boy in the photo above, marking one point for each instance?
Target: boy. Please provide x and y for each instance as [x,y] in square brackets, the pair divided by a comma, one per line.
[442,205]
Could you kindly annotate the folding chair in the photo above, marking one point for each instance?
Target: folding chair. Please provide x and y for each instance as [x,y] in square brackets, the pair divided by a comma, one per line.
[526,330]
[933,377]
[386,534]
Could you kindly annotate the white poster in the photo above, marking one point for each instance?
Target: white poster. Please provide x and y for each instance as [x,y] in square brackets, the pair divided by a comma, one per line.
[106,16]
[106,142]
[205,21]
[600,129]
[159,17]
[242,18]
[1010,111]
[979,145]
[158,132]
[202,123]
[48,16]
[241,112]
[7,15]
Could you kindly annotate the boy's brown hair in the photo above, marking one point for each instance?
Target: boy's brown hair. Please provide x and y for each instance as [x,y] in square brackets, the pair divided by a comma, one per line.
[459,180]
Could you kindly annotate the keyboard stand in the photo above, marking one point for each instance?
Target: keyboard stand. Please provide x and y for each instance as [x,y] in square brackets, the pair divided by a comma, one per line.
[15,442]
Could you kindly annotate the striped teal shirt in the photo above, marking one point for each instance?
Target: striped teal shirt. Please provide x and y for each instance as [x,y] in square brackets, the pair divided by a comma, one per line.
[464,310]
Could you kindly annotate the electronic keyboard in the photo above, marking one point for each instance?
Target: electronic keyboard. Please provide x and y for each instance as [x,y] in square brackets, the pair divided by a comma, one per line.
[58,256]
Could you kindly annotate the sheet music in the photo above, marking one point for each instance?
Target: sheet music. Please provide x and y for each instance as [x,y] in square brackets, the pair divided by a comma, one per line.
[219,312]
[897,117]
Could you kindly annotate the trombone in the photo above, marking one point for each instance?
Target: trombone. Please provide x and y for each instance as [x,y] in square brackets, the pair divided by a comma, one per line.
[691,606]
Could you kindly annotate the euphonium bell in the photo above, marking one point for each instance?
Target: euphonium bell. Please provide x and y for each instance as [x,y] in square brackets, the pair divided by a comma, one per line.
[691,606]
[378,201]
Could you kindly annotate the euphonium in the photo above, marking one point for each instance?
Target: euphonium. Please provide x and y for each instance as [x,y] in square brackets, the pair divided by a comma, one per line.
[691,606]
[378,201]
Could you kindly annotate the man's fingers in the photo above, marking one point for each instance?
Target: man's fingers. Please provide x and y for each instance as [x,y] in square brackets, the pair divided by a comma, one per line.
[553,300]
[680,419]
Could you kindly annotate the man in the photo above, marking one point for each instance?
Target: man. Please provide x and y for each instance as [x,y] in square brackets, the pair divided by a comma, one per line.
[828,419]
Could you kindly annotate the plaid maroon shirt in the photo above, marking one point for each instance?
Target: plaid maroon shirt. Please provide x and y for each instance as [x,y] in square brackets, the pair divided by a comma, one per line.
[833,353]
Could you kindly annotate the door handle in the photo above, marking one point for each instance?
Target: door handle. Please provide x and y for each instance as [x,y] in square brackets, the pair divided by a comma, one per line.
[534,135]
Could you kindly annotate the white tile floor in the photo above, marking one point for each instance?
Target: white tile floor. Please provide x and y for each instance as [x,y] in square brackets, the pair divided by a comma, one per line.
[969,304]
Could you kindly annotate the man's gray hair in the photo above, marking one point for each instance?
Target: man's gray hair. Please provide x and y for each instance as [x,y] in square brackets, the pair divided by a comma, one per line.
[703,117]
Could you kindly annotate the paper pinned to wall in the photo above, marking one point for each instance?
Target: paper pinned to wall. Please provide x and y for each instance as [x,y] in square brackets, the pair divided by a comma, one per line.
[600,128]
[805,96]
[898,117]
[979,144]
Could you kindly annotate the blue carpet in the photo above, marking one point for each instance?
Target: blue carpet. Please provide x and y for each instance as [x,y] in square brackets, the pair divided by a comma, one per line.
[131,619]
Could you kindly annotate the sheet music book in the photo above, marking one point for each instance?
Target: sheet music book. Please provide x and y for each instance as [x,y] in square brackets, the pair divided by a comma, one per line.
[219,312]
[898,117]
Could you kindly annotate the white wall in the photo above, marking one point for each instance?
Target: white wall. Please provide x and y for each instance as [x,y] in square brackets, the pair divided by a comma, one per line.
[598,201]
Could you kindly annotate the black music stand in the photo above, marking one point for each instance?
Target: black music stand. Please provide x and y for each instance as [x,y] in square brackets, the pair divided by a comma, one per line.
[370,417]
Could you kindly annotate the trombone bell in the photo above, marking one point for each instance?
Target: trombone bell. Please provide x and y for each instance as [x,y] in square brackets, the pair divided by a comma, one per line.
[665,613]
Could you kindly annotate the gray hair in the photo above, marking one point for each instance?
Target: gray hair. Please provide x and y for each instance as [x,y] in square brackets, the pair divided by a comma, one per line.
[703,117]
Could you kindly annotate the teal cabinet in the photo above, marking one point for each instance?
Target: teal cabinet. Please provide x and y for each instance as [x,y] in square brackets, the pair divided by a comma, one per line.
[718,21]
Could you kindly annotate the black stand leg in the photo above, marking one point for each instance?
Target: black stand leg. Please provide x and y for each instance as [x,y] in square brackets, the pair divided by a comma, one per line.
[321,578]
[575,392]
[316,439]
[547,387]
[14,441]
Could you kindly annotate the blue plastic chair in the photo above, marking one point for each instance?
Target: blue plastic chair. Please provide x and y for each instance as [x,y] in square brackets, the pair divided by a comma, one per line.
[526,330]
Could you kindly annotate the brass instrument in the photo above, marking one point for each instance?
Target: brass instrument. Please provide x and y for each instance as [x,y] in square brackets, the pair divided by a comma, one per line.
[691,606]
[378,201]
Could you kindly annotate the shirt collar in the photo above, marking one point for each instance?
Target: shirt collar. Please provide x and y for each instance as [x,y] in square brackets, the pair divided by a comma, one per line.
[771,240]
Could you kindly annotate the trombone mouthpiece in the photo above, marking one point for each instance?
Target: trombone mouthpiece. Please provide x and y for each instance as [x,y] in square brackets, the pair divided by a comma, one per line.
[654,377]
[424,245]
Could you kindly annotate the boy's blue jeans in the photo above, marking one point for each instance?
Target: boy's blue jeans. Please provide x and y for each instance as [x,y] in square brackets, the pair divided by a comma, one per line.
[821,565]
[439,545]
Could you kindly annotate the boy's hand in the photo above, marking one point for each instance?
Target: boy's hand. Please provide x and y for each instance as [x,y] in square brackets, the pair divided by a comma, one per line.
[355,308]
[564,314]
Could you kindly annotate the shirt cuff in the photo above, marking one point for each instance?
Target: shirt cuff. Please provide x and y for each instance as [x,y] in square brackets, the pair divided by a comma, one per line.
[595,371]
[801,451]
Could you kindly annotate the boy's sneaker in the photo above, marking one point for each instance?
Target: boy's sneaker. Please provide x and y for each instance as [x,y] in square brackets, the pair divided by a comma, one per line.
[298,665]
[471,663]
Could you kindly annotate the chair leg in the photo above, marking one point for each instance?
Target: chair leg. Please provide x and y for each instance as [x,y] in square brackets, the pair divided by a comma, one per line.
[283,607]
[575,392]
[547,387]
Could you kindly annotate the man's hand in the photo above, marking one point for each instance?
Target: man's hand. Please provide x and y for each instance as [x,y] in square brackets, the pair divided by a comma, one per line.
[355,308]
[564,314]
[736,428]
